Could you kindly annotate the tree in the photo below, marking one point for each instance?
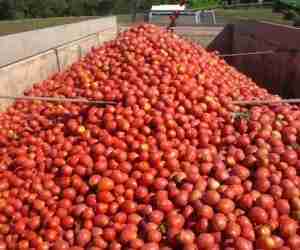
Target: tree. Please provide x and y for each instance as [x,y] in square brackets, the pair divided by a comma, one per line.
[59,7]
[76,7]
[121,7]
[155,2]
[39,8]
[91,7]
[135,4]
[105,7]
[7,9]
[12,9]
[20,9]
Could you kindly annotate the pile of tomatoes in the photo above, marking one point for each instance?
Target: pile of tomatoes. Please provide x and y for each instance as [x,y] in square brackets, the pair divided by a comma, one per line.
[174,165]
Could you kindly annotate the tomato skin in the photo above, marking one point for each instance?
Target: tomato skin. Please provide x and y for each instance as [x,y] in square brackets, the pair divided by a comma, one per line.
[174,164]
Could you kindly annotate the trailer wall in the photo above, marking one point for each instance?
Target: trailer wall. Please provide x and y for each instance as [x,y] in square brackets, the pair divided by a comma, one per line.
[33,56]
[280,72]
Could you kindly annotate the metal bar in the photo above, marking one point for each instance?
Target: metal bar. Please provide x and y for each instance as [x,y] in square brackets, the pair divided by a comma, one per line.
[59,66]
[58,99]
[214,17]
[249,53]
[292,50]
[174,16]
[266,102]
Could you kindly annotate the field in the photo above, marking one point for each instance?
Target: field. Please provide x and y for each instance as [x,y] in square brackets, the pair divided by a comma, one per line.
[223,16]
[10,27]
[260,14]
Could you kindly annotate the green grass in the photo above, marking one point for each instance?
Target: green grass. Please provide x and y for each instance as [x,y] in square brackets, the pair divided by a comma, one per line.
[125,19]
[203,4]
[11,27]
[291,3]
[259,14]
[223,16]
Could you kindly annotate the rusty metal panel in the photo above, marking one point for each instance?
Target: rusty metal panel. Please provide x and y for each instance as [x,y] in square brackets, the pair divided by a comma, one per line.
[279,73]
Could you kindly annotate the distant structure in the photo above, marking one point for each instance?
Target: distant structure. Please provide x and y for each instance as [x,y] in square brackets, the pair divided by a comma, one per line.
[169,9]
